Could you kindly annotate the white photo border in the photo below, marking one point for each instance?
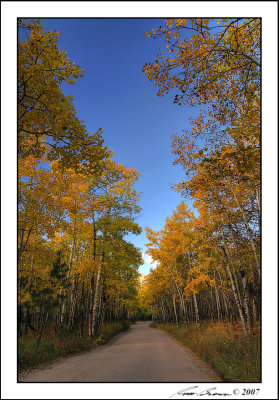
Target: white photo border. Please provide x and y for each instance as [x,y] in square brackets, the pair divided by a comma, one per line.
[268,11]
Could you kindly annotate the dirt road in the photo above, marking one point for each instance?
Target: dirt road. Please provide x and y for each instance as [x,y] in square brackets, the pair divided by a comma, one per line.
[141,354]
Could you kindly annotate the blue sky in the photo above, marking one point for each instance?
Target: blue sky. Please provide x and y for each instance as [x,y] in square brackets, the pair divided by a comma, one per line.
[115,95]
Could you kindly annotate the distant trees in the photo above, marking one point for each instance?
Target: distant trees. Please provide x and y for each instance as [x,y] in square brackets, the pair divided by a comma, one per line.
[206,270]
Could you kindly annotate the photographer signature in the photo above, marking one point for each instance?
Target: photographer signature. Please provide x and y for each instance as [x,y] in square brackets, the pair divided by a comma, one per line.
[209,392]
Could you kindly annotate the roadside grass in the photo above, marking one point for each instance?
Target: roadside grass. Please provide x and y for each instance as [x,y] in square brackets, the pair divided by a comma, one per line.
[53,347]
[235,356]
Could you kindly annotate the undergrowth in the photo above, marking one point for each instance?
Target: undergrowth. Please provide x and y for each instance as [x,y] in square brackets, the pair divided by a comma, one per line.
[235,356]
[57,346]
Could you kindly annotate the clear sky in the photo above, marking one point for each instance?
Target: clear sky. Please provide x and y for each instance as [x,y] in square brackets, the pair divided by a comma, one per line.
[115,95]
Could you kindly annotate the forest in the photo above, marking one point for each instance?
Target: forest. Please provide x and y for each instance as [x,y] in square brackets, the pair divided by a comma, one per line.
[209,261]
[77,273]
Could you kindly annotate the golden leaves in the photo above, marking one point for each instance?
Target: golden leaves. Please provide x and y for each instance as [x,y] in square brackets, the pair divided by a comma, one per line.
[44,112]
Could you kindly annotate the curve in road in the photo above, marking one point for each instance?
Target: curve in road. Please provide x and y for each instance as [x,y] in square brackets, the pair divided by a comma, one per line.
[141,354]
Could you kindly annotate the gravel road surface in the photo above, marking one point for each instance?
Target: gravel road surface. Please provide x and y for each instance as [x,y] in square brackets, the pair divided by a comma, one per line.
[141,354]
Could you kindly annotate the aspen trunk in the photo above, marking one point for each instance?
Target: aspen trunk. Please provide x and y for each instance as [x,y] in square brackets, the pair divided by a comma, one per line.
[249,233]
[254,303]
[91,290]
[41,331]
[183,308]
[152,315]
[259,209]
[246,298]
[233,269]
[219,313]
[225,306]
[174,309]
[163,311]
[236,296]
[73,248]
[244,284]
[23,246]
[90,305]
[69,267]
[196,308]
[73,304]
[223,295]
[94,236]
[82,308]
[97,297]
[213,308]
[182,300]
[254,309]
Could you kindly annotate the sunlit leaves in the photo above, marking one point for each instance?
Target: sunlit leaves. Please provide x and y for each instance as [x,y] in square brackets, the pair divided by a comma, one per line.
[47,124]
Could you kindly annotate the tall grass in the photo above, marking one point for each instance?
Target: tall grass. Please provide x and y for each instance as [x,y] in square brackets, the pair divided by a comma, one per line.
[54,347]
[235,356]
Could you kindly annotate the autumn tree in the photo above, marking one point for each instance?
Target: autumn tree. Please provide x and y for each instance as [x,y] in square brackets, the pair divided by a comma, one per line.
[205,269]
[214,64]
[45,114]
[40,211]
[117,200]
[75,204]
[76,269]
[177,248]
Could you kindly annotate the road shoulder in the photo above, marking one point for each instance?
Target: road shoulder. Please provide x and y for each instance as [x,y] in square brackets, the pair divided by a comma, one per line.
[201,364]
